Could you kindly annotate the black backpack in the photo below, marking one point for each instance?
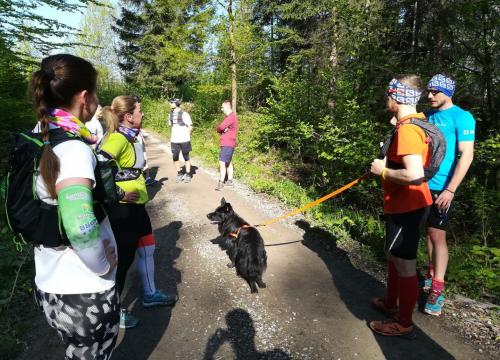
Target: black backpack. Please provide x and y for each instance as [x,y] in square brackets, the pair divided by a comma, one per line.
[180,122]
[435,139]
[28,217]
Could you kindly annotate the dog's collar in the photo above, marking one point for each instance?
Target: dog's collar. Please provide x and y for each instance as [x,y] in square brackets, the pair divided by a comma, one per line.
[237,233]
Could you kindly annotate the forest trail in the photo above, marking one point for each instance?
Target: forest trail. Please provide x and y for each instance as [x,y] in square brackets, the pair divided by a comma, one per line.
[316,305]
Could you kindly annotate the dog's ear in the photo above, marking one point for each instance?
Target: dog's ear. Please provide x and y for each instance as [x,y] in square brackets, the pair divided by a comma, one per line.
[223,201]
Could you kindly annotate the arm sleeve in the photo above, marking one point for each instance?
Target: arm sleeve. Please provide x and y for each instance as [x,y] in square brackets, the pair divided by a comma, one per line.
[81,226]
[466,127]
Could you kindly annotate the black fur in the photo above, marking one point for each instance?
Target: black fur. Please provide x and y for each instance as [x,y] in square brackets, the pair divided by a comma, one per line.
[247,252]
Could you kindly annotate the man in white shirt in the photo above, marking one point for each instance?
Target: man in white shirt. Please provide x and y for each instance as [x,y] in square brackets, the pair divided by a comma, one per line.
[180,139]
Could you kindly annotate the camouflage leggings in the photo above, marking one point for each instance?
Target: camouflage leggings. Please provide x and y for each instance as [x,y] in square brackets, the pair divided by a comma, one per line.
[87,323]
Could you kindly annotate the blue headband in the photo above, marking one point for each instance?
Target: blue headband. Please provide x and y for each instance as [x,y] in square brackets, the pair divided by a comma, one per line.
[402,93]
[442,83]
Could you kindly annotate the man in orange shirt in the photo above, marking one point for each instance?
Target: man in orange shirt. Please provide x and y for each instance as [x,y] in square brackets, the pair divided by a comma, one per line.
[406,202]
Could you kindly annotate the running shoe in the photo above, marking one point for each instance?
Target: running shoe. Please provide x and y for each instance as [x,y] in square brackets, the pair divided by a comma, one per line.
[220,186]
[127,320]
[179,177]
[425,284]
[159,298]
[229,183]
[391,327]
[188,178]
[379,304]
[434,304]
[150,181]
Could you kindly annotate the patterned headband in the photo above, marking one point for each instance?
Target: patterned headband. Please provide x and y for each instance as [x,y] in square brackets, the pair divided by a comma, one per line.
[442,83]
[403,93]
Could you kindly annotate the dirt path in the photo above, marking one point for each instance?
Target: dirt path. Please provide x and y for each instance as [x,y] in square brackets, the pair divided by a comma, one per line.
[316,305]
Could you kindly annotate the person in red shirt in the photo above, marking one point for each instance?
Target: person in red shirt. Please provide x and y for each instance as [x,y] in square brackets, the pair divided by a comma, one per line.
[406,202]
[228,130]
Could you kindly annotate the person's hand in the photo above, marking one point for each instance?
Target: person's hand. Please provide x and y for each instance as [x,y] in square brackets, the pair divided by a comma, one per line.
[377,166]
[131,197]
[110,255]
[393,121]
[444,200]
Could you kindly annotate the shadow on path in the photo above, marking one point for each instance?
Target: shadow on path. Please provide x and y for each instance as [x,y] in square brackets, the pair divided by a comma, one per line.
[356,289]
[140,342]
[240,333]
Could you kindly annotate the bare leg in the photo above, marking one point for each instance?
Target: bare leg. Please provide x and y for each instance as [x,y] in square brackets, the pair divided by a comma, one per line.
[230,171]
[222,166]
[177,165]
[188,166]
[440,252]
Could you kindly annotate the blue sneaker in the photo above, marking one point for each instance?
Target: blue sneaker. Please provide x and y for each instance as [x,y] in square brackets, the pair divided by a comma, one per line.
[425,284]
[150,181]
[434,304]
[159,298]
[127,320]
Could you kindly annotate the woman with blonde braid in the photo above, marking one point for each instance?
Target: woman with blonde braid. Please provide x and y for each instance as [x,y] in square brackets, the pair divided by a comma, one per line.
[129,218]
[75,271]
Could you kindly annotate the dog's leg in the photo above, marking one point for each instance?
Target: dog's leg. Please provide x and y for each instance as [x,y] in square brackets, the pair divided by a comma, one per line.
[261,283]
[253,288]
[232,256]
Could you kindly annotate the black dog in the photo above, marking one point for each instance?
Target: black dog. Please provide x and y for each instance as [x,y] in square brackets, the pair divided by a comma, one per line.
[243,243]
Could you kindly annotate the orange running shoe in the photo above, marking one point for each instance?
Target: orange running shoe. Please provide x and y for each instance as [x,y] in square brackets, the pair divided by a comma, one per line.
[391,327]
[379,304]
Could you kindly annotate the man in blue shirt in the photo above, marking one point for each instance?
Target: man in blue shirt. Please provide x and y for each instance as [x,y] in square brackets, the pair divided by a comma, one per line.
[458,128]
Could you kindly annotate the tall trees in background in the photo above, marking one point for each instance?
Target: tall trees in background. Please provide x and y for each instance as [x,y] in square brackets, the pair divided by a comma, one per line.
[162,42]
[98,42]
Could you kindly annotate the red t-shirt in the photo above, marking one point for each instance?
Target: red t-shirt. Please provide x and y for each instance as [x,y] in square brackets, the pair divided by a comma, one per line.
[409,140]
[228,137]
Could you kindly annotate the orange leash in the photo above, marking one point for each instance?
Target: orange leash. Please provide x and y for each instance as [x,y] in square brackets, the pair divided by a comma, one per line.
[316,202]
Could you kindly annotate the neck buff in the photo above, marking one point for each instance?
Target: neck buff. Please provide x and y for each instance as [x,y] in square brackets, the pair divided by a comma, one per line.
[402,93]
[129,133]
[71,124]
[442,83]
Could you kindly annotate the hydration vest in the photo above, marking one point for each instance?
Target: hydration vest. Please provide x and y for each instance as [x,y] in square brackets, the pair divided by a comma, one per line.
[132,172]
[29,217]
[179,120]
[435,139]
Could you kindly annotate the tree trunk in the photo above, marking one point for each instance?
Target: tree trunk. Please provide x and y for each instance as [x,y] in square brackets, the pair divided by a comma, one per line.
[234,84]
[334,60]
[414,33]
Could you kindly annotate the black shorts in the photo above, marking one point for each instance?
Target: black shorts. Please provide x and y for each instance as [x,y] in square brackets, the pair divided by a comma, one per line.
[402,233]
[438,219]
[176,148]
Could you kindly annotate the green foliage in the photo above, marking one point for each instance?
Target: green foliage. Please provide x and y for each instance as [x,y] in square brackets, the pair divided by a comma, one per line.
[475,271]
[20,22]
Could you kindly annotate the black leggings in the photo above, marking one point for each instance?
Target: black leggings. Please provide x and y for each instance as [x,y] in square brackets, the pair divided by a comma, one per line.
[129,222]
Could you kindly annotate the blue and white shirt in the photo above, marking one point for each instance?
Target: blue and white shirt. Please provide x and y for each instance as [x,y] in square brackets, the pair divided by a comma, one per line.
[457,125]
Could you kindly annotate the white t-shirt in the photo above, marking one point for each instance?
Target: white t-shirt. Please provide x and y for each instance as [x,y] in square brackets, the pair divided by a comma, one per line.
[180,134]
[95,128]
[60,270]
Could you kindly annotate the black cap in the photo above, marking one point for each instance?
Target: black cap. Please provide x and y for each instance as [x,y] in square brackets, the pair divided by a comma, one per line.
[177,102]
